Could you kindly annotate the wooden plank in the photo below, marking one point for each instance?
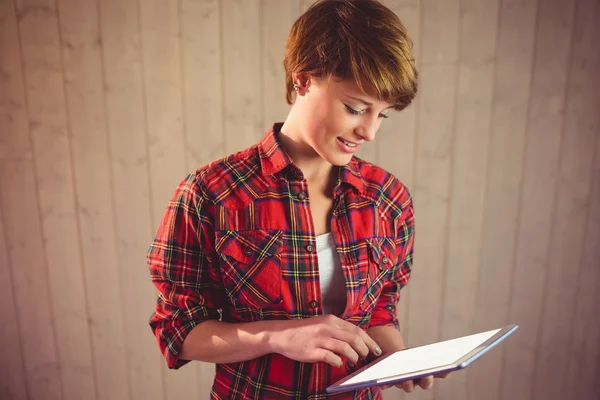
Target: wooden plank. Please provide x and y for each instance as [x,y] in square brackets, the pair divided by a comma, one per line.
[243,123]
[584,355]
[511,93]
[124,92]
[162,69]
[21,221]
[571,214]
[30,279]
[203,81]
[538,210]
[436,116]
[278,17]
[13,384]
[14,144]
[48,129]
[468,187]
[86,109]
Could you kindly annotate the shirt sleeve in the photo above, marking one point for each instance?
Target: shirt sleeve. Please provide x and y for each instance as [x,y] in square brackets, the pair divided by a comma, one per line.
[181,264]
[385,312]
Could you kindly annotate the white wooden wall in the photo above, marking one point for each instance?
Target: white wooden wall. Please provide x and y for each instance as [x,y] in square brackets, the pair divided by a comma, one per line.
[106,104]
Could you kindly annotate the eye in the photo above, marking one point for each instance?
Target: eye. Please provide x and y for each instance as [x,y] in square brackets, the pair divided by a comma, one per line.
[383,116]
[352,110]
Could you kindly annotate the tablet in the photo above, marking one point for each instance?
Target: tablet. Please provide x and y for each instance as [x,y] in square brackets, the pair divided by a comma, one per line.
[417,362]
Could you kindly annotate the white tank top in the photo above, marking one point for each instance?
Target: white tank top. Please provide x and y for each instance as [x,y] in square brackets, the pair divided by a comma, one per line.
[333,283]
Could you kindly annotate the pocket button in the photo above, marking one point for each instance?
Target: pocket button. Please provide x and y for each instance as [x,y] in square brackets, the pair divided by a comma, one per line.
[248,252]
[385,260]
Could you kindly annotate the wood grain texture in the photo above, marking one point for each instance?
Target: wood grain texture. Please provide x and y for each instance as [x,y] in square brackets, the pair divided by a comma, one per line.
[86,111]
[14,144]
[571,213]
[242,74]
[22,221]
[126,126]
[468,187]
[512,83]
[537,214]
[440,44]
[278,18]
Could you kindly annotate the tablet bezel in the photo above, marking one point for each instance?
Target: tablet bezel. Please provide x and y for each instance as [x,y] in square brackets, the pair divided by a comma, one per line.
[459,364]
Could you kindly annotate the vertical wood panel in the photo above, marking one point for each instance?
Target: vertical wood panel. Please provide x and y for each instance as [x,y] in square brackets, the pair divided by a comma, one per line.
[278,17]
[436,115]
[537,212]
[82,63]
[121,51]
[22,221]
[584,355]
[160,37]
[571,215]
[202,81]
[48,129]
[241,21]
[12,371]
[507,146]
[202,105]
[14,143]
[470,158]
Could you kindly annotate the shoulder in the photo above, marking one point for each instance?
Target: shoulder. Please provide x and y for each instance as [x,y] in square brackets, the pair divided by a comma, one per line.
[384,189]
[232,181]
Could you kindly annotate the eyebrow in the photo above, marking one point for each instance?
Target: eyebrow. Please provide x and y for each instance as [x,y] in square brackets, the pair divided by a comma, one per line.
[366,102]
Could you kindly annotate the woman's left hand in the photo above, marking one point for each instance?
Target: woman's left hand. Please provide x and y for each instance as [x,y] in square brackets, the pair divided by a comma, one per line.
[424,383]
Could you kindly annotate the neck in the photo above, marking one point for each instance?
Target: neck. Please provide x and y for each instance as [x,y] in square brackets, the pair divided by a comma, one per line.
[312,165]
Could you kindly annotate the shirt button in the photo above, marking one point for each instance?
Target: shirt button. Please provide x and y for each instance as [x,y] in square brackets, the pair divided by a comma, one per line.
[385,260]
[248,252]
[310,248]
[313,304]
[302,195]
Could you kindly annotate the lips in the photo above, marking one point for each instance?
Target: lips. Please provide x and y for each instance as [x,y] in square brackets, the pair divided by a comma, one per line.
[348,143]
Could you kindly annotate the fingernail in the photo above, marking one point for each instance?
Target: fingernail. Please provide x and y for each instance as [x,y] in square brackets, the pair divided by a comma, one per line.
[377,351]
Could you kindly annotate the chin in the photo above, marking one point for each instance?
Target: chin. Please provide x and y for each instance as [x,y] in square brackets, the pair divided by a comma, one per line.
[339,160]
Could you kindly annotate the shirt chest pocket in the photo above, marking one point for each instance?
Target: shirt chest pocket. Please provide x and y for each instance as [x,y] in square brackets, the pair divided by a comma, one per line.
[250,266]
[381,260]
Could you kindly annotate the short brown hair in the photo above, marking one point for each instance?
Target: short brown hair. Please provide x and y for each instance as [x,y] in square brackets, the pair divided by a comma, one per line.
[359,39]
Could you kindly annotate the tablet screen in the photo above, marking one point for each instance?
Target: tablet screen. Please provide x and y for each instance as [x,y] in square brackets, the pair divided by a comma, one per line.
[421,358]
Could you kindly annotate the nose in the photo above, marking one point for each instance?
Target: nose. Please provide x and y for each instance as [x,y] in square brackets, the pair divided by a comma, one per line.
[368,129]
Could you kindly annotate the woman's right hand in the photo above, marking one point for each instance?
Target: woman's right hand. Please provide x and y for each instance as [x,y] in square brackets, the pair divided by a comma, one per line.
[325,338]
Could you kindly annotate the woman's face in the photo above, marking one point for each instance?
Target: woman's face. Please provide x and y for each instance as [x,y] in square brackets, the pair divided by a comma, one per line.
[337,117]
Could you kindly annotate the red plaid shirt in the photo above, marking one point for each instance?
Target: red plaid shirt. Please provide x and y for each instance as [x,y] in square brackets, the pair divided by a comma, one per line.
[237,244]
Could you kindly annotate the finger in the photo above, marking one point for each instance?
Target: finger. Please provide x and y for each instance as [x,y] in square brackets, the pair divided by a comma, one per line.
[327,357]
[426,382]
[443,376]
[354,340]
[408,386]
[369,342]
[341,348]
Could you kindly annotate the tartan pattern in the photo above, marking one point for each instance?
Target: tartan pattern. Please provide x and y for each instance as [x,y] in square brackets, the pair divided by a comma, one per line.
[236,244]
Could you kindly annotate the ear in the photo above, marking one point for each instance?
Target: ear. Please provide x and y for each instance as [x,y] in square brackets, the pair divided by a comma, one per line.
[302,81]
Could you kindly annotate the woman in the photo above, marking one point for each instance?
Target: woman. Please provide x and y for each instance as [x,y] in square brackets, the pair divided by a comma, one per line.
[283,263]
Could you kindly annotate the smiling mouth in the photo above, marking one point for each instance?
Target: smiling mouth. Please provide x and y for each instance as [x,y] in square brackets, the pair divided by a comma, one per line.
[347,143]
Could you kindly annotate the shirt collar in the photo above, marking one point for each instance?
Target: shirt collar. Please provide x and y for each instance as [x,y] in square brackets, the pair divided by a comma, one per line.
[274,159]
